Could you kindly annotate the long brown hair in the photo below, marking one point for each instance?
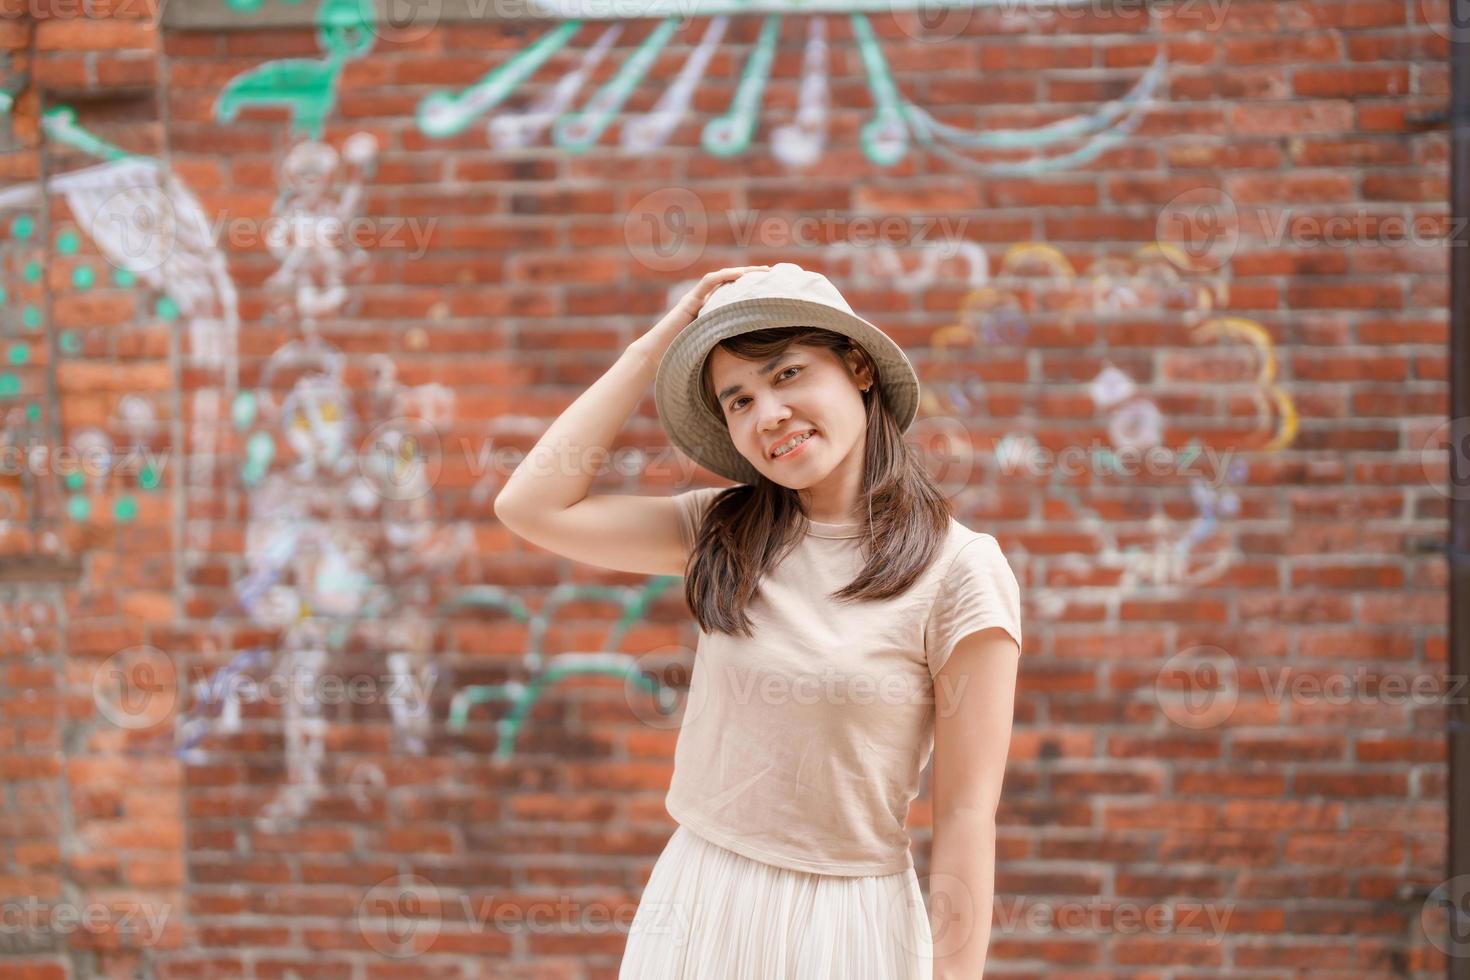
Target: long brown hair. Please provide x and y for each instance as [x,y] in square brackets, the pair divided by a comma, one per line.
[750,527]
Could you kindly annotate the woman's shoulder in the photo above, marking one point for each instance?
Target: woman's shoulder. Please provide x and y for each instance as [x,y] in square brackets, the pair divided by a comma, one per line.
[705,493]
[972,543]
[977,589]
[693,504]
[961,534]
[697,500]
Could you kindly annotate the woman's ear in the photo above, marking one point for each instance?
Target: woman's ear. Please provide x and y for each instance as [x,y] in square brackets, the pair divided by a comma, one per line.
[862,371]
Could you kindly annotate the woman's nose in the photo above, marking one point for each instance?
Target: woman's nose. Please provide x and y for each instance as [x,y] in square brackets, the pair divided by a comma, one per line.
[774,417]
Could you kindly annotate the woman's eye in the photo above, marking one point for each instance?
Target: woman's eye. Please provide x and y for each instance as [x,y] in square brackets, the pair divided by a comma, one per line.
[736,403]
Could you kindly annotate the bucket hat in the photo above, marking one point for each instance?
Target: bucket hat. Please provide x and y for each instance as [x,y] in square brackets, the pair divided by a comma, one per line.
[785,295]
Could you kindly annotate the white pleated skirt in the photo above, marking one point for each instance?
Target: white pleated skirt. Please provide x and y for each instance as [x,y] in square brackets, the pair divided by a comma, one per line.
[709,913]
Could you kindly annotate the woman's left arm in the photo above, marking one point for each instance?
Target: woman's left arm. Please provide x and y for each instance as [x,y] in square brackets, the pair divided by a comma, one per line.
[974,700]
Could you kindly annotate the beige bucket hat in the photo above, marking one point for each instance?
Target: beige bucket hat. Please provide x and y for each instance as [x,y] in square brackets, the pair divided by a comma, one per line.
[785,295]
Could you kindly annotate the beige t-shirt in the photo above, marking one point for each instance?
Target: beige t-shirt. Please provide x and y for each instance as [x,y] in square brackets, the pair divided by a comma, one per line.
[802,746]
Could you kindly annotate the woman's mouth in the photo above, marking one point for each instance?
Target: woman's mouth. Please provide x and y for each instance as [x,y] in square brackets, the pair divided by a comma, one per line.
[786,450]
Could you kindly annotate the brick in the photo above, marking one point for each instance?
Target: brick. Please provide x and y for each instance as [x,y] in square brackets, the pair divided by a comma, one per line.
[1288,49]
[1346,296]
[1295,119]
[1344,83]
[96,35]
[1305,187]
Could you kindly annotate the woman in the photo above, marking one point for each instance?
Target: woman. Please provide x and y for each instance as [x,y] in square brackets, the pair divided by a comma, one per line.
[849,626]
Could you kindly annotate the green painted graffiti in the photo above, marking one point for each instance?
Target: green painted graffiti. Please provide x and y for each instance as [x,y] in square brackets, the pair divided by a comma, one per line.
[307,87]
[896,125]
[544,672]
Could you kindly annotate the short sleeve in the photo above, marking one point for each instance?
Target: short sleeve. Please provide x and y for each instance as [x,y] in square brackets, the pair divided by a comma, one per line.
[979,591]
[693,504]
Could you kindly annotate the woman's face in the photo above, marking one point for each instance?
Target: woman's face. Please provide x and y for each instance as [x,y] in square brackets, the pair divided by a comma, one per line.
[803,389]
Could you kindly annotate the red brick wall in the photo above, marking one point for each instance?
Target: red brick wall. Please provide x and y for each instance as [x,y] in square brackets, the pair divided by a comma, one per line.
[1286,559]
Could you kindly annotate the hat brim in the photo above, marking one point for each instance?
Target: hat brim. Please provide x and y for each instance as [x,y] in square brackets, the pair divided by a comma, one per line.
[703,436]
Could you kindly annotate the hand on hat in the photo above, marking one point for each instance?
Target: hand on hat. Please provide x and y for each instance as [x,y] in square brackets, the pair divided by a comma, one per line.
[657,339]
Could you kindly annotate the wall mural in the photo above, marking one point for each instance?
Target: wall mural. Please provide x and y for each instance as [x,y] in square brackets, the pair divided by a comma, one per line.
[114,204]
[346,548]
[351,558]
[886,138]
[1036,289]
[344,545]
[307,87]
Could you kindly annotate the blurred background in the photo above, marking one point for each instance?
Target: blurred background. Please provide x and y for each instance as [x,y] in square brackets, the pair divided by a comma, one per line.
[288,287]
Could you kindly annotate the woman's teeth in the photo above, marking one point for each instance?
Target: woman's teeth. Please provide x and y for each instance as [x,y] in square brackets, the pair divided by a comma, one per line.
[786,447]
